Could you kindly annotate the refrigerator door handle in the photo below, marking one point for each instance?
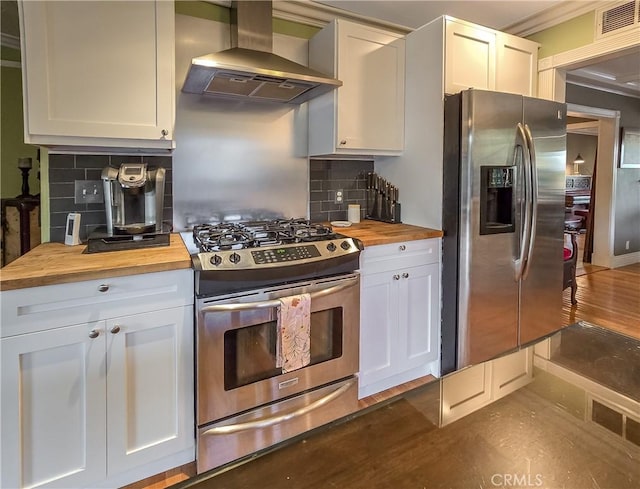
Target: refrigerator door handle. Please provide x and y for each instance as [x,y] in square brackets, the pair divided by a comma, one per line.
[520,262]
[533,187]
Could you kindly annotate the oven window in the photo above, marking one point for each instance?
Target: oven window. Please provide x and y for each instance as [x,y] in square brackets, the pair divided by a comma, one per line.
[250,352]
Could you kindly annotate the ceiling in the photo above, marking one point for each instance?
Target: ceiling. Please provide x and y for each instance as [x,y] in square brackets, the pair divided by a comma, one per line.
[415,13]
[619,75]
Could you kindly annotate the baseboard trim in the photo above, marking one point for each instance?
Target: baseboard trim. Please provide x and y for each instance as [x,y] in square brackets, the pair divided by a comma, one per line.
[624,260]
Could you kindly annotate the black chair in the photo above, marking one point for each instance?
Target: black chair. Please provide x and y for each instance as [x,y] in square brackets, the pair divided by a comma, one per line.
[570,262]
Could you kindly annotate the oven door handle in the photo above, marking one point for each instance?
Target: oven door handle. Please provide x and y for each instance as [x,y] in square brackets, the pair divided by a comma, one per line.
[243,306]
[267,422]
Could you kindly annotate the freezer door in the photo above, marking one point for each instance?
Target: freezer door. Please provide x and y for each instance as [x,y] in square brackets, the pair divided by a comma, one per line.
[541,286]
[489,225]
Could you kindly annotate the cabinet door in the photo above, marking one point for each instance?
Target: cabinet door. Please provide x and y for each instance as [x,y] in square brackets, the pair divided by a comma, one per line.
[517,65]
[419,310]
[149,387]
[98,70]
[371,101]
[378,326]
[53,408]
[470,60]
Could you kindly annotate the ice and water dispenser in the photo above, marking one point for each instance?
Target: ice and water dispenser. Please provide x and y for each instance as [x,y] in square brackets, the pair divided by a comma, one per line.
[497,207]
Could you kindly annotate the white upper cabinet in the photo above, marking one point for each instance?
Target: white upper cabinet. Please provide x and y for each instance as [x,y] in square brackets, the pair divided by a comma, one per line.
[481,58]
[98,74]
[366,115]
[516,65]
[470,57]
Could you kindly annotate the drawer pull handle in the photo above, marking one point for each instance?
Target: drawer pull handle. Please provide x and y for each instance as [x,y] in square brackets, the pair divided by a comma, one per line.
[396,277]
[94,333]
[402,247]
[103,288]
[405,275]
[115,330]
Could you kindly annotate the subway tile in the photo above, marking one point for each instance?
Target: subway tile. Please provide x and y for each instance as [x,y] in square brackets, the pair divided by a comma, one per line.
[316,196]
[94,173]
[61,190]
[66,204]
[56,234]
[315,185]
[331,206]
[92,161]
[338,215]
[315,207]
[66,175]
[57,219]
[355,195]
[61,161]
[117,160]
[93,218]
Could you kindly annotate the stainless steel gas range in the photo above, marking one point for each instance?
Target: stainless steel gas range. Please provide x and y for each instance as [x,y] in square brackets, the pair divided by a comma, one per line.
[244,401]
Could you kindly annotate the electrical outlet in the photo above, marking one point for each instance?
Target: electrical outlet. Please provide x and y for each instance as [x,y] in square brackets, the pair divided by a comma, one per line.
[88,192]
[339,196]
[626,245]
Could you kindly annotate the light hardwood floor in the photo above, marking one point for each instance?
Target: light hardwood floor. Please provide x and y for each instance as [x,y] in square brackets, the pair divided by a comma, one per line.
[609,298]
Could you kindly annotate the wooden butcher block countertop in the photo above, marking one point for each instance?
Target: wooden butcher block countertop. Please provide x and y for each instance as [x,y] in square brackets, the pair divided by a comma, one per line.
[55,263]
[378,233]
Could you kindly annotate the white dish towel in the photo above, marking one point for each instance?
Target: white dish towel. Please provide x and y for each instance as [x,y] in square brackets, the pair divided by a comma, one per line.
[293,348]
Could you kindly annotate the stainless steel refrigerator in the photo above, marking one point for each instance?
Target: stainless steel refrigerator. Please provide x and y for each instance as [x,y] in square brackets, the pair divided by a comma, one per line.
[503,222]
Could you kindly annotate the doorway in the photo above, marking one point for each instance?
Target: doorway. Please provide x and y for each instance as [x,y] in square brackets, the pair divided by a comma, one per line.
[603,124]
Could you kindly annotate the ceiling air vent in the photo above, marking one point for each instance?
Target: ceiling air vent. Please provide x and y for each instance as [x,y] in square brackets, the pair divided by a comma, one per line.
[613,18]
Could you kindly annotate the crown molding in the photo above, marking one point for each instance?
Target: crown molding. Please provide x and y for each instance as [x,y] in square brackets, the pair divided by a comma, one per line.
[9,41]
[551,17]
[319,15]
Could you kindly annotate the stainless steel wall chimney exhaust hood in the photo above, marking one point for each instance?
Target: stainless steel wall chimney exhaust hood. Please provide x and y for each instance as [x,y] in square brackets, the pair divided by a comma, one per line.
[250,70]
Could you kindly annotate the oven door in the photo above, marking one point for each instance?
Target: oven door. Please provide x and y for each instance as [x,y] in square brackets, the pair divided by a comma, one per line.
[236,346]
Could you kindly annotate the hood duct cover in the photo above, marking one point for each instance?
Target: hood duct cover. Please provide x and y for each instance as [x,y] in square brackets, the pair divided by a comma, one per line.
[251,70]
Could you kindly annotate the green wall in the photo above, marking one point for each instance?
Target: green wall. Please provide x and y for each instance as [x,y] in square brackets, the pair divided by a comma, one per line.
[217,13]
[12,130]
[571,34]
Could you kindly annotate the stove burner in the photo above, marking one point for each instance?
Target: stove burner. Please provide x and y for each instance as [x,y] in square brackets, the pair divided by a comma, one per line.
[254,234]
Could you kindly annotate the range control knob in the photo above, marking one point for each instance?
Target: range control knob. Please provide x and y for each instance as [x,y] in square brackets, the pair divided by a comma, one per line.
[215,260]
[331,247]
[234,258]
[345,245]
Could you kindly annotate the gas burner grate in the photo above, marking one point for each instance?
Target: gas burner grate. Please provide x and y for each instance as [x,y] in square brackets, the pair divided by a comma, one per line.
[253,234]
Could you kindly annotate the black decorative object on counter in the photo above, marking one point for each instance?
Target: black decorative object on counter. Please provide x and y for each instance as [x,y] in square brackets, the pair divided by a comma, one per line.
[382,200]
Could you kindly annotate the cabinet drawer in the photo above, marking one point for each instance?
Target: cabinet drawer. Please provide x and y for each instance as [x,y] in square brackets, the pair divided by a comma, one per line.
[382,258]
[51,306]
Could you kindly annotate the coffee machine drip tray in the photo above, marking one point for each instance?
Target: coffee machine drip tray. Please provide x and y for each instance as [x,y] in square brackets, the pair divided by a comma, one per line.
[99,242]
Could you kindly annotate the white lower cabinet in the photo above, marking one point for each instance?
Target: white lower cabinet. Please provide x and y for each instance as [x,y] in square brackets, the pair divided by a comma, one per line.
[472,388]
[399,314]
[98,404]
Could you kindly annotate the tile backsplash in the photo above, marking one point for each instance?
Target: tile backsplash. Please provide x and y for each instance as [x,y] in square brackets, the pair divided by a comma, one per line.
[64,169]
[328,176]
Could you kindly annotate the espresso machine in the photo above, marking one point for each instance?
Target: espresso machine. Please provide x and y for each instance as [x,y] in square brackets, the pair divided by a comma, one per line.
[134,201]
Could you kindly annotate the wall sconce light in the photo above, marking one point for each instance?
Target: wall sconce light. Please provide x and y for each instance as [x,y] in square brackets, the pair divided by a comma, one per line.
[576,164]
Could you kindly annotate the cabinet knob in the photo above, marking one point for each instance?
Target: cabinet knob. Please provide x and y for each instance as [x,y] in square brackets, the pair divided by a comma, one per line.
[343,142]
[115,329]
[94,333]
[396,277]
[402,247]
[103,288]
[405,275]
[164,132]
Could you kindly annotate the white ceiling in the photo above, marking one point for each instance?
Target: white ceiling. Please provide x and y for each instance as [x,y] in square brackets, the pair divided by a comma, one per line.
[415,13]
[618,75]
